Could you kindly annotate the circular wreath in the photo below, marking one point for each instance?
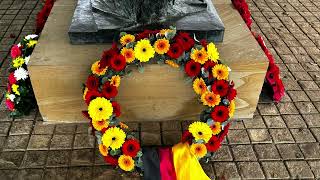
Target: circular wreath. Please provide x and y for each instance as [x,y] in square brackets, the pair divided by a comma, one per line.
[201,63]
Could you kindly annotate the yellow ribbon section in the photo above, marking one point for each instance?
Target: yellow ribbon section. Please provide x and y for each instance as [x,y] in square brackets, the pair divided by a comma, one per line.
[186,164]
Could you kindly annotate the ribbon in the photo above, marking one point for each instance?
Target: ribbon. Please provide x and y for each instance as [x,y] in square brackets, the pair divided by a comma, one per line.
[187,166]
[166,164]
[151,164]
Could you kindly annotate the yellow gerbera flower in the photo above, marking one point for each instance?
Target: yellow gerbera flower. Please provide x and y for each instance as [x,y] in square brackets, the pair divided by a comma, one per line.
[128,38]
[100,109]
[126,163]
[199,56]
[213,53]
[200,130]
[220,72]
[199,86]
[210,99]
[15,89]
[114,138]
[143,50]
[199,150]
[103,150]
[99,125]
[172,63]
[161,46]
[232,108]
[128,54]
[95,69]
[216,128]
[115,80]
[32,43]
[85,93]
[18,62]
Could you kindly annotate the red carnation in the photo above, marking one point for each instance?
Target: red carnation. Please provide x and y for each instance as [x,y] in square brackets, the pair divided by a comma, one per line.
[185,40]
[272,74]
[116,108]
[111,160]
[220,87]
[10,104]
[186,137]
[118,62]
[15,51]
[175,51]
[213,144]
[220,113]
[108,55]
[109,91]
[192,68]
[92,95]
[232,93]
[92,82]
[12,79]
[131,147]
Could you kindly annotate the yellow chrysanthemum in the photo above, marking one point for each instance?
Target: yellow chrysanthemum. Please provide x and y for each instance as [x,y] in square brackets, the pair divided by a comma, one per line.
[232,108]
[161,46]
[103,150]
[213,53]
[199,56]
[32,43]
[99,125]
[143,50]
[126,163]
[18,62]
[128,54]
[114,138]
[199,86]
[164,31]
[85,93]
[210,99]
[100,109]
[15,89]
[115,80]
[216,128]
[95,69]
[200,130]
[172,63]
[123,125]
[220,72]
[199,150]
[124,40]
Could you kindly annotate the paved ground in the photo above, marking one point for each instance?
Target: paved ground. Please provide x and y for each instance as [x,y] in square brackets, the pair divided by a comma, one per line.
[281,141]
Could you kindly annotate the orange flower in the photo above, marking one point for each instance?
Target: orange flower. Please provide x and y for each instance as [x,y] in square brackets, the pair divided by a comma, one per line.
[124,40]
[115,80]
[99,125]
[123,125]
[172,63]
[95,69]
[161,46]
[199,86]
[216,128]
[199,56]
[103,150]
[128,54]
[210,99]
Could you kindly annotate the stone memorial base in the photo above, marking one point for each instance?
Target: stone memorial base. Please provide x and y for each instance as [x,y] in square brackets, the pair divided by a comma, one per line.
[58,69]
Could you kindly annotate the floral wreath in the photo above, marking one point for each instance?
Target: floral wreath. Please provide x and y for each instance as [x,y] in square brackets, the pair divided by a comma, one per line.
[201,63]
[20,99]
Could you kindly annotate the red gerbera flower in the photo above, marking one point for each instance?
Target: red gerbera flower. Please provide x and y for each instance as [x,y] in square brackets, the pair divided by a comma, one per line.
[208,67]
[118,62]
[175,51]
[116,108]
[146,34]
[111,160]
[92,82]
[220,113]
[192,68]
[12,79]
[232,93]
[204,43]
[186,137]
[108,55]
[220,87]
[109,91]
[92,94]
[213,144]
[185,40]
[131,147]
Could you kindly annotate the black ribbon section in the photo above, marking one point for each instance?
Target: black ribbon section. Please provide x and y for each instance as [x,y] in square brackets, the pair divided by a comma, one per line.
[151,164]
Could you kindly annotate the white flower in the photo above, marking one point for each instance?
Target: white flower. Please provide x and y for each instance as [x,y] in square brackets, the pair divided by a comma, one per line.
[21,73]
[11,97]
[19,45]
[31,36]
[26,60]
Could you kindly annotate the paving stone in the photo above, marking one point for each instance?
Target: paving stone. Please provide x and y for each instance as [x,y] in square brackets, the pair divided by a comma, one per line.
[268,109]
[80,173]
[55,173]
[19,142]
[250,170]
[299,169]
[237,124]
[61,141]
[302,135]
[238,137]
[315,167]
[255,122]
[287,108]
[274,122]
[275,170]
[98,158]
[133,126]
[308,85]
[150,126]
[171,126]
[310,150]
[42,128]
[208,169]
[65,128]
[8,174]
[83,141]
[316,133]
[243,153]
[59,158]
[267,152]
[312,119]
[171,137]
[30,174]
[259,136]
[34,159]
[306,107]
[281,136]
[21,127]
[222,154]
[298,96]
[4,128]
[82,128]
[82,157]
[294,121]
[11,159]
[101,172]
[226,170]
[290,151]
[150,138]
[39,142]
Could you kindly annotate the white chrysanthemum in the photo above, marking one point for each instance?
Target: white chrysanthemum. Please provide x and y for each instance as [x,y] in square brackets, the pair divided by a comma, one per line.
[21,73]
[26,60]
[11,97]
[31,36]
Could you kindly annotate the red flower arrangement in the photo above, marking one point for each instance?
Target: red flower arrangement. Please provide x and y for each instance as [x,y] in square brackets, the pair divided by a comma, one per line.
[213,144]
[111,160]
[220,87]
[175,50]
[116,108]
[131,147]
[109,91]
[185,40]
[220,113]
[192,68]
[92,82]
[118,62]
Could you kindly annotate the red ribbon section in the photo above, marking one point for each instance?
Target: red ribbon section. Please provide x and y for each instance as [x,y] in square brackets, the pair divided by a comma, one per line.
[167,170]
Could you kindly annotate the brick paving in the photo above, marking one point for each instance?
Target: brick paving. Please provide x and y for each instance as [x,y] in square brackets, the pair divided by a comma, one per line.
[280,142]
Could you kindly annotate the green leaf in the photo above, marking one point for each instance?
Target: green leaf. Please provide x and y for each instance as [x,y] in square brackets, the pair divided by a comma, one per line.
[115,152]
[141,69]
[139,154]
[122,34]
[200,141]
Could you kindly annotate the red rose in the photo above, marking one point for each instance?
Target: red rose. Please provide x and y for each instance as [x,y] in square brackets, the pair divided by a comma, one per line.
[175,51]
[116,108]
[92,82]
[185,40]
[109,91]
[232,93]
[220,87]
[91,95]
[131,147]
[192,68]
[118,62]
[10,104]
[220,113]
[12,79]
[186,137]
[108,55]
[111,160]
[15,51]
[272,74]
[213,144]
